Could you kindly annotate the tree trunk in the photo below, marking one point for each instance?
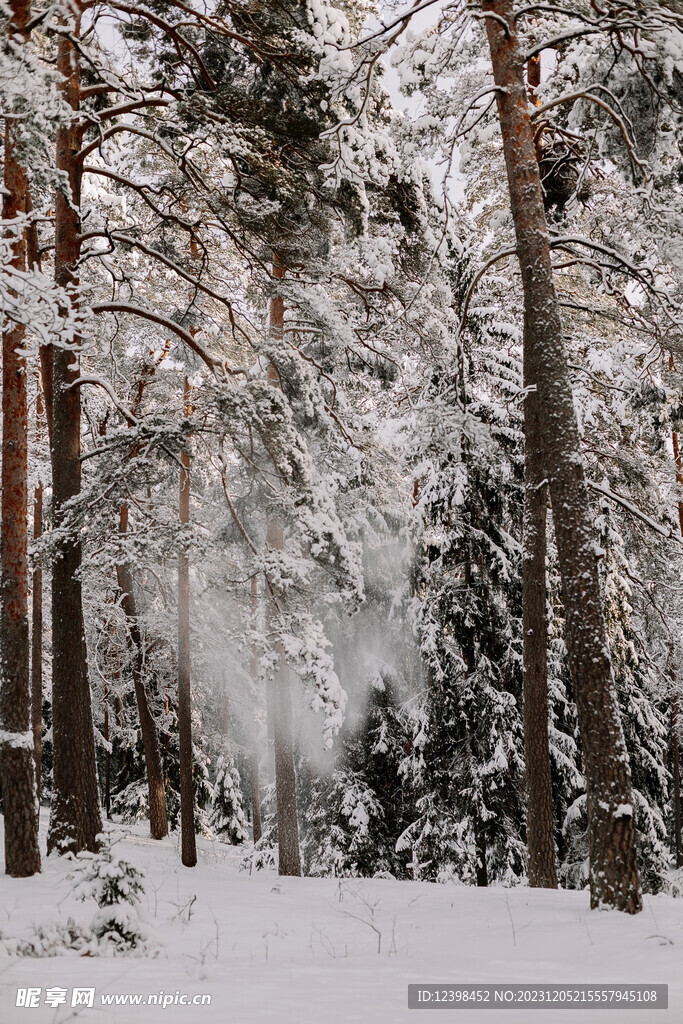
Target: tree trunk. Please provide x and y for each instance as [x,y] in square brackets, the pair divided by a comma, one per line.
[188,841]
[255,798]
[43,409]
[255,781]
[676,758]
[107,758]
[17,770]
[75,820]
[540,833]
[158,820]
[539,825]
[482,874]
[614,879]
[289,854]
[37,618]
[675,743]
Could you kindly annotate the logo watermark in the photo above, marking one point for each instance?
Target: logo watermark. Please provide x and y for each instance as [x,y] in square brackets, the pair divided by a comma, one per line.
[31,998]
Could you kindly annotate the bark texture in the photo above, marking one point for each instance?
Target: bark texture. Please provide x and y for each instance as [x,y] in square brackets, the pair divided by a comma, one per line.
[675,742]
[75,819]
[542,865]
[539,824]
[17,769]
[37,623]
[614,879]
[188,841]
[676,772]
[289,854]
[158,818]
[255,798]
[255,779]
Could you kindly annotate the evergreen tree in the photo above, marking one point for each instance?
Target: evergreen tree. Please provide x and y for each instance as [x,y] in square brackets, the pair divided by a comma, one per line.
[360,807]
[227,817]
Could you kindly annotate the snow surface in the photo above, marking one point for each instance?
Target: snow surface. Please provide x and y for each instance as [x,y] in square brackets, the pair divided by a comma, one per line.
[303,951]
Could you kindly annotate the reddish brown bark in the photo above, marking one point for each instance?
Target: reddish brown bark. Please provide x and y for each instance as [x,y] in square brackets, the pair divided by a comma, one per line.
[22,855]
[614,879]
[75,819]
[158,819]
[37,616]
[187,825]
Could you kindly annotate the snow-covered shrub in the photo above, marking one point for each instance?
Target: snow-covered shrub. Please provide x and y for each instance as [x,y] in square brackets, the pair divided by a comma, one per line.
[574,868]
[674,883]
[227,818]
[116,886]
[262,856]
[107,879]
[119,929]
[132,802]
[56,938]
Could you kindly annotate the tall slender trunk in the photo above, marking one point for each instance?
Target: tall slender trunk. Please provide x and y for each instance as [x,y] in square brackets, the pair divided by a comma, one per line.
[107,757]
[37,616]
[539,825]
[75,819]
[289,854]
[255,797]
[188,841]
[675,742]
[676,772]
[613,873]
[17,770]
[43,412]
[158,819]
[255,781]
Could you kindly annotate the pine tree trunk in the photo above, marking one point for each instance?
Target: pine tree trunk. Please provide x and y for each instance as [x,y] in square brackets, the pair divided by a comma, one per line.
[540,833]
[188,841]
[107,758]
[482,874]
[289,854]
[675,743]
[255,798]
[75,819]
[614,879]
[37,625]
[676,758]
[43,410]
[158,819]
[539,827]
[17,769]
[255,780]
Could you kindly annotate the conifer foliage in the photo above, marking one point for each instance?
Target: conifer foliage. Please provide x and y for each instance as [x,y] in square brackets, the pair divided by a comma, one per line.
[361,524]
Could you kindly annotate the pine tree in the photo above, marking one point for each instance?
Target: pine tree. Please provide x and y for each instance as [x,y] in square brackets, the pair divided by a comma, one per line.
[227,817]
[360,807]
[645,724]
[614,871]
[17,769]
[467,760]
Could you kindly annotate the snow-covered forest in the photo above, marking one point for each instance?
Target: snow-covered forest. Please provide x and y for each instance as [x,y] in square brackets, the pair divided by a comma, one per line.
[342,493]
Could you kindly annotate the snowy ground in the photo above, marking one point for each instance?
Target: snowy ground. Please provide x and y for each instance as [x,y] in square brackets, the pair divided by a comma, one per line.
[317,951]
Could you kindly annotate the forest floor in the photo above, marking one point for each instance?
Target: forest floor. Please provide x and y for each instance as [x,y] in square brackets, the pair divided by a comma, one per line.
[322,951]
